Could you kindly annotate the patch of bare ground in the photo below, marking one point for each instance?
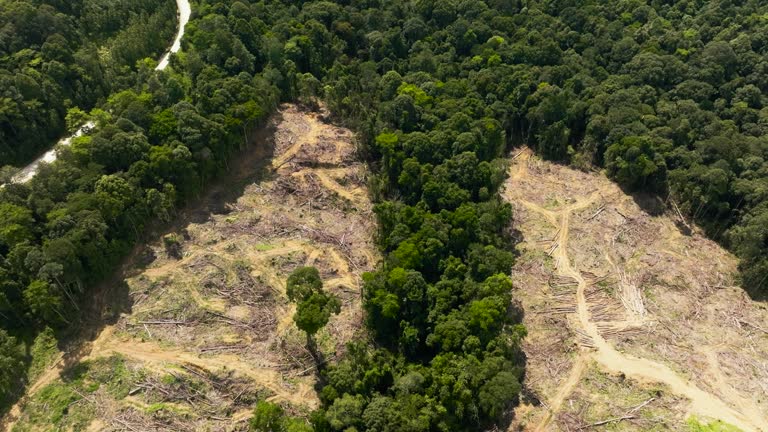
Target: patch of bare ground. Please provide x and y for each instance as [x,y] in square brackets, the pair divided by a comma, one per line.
[180,396]
[611,285]
[210,305]
[614,402]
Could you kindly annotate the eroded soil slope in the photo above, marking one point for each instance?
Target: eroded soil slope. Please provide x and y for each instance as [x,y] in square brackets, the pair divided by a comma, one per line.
[633,325]
[209,330]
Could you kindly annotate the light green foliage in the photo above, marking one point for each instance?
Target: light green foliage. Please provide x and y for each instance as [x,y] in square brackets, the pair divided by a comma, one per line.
[696,425]
[164,124]
[44,351]
[270,417]
[45,301]
[267,417]
[61,405]
[419,96]
[387,143]
[76,118]
[16,224]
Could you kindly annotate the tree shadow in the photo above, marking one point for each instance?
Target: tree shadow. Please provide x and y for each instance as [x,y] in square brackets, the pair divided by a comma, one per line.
[516,314]
[321,364]
[757,290]
[653,205]
[514,236]
[648,202]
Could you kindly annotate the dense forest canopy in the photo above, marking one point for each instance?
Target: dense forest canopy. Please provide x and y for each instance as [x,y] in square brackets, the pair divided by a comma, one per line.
[56,55]
[668,96]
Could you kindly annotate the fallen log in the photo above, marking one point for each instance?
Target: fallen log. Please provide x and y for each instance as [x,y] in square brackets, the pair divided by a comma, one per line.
[602,422]
[597,213]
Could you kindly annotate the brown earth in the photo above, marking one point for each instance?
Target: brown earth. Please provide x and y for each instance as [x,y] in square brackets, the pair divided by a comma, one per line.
[609,284]
[212,300]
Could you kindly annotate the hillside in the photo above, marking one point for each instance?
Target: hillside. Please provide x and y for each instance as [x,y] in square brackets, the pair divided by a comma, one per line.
[205,329]
[630,320]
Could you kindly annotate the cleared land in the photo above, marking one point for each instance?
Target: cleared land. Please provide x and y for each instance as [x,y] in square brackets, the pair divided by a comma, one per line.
[208,330]
[633,325]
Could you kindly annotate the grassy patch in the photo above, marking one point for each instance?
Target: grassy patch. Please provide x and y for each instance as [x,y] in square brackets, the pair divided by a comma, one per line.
[58,406]
[536,255]
[602,396]
[551,203]
[43,351]
[608,286]
[696,425]
[69,404]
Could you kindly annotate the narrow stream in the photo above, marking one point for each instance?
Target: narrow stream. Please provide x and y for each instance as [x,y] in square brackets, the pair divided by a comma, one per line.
[29,171]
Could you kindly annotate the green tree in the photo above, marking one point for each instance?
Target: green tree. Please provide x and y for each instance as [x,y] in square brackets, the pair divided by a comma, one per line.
[267,417]
[314,306]
[270,417]
[44,302]
[16,224]
[10,364]
[635,164]
[346,412]
[498,393]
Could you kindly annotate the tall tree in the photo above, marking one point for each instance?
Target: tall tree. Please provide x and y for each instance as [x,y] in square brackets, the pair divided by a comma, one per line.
[314,306]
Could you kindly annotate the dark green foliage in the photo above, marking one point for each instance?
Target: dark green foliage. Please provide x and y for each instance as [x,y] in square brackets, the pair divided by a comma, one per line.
[10,363]
[751,238]
[302,283]
[440,307]
[669,97]
[634,163]
[314,307]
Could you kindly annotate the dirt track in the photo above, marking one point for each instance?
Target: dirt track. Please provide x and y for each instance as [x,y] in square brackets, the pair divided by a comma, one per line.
[732,408]
[305,206]
[152,353]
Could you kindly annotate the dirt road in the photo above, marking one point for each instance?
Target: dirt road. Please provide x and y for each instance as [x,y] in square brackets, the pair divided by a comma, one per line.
[148,352]
[734,409]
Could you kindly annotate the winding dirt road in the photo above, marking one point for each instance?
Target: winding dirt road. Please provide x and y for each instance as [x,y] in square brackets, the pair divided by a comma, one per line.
[598,349]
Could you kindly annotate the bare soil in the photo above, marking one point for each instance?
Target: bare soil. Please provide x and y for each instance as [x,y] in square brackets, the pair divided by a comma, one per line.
[214,304]
[611,285]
